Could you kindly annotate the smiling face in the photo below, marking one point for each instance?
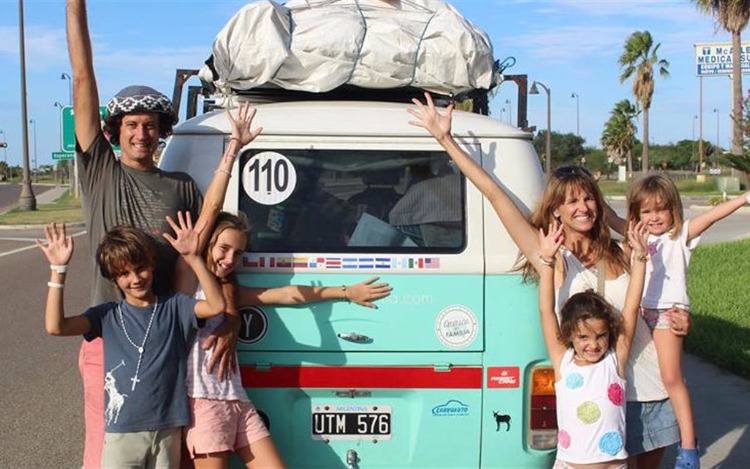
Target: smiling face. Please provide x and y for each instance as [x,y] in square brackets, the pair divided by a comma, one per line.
[135,283]
[657,217]
[225,253]
[590,341]
[139,137]
[577,213]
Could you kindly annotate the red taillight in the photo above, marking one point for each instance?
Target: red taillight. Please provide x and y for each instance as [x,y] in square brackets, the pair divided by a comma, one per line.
[542,409]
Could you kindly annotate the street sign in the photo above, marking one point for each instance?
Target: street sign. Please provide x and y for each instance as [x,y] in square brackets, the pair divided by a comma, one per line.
[62,155]
[715,58]
[67,124]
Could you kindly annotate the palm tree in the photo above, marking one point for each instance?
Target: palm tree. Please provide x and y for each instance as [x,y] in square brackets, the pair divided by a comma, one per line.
[618,136]
[732,15]
[638,60]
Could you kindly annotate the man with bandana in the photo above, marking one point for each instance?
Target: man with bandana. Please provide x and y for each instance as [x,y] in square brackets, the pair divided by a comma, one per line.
[126,191]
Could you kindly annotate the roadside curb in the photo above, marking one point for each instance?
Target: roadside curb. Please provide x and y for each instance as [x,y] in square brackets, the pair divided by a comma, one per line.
[75,224]
[46,197]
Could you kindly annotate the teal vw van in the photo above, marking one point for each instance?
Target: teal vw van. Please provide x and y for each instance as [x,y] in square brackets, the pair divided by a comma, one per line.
[450,371]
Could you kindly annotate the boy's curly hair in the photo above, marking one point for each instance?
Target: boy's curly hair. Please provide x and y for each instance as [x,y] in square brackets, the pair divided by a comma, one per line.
[124,247]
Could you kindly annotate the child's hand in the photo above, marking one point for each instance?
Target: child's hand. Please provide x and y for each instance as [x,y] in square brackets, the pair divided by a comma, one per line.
[638,237]
[364,292]
[59,247]
[436,124]
[241,124]
[187,241]
[550,242]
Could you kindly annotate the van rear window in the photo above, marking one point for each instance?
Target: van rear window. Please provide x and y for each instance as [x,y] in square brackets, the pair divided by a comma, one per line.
[352,201]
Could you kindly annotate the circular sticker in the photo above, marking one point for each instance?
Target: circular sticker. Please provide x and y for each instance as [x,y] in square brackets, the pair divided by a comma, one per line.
[269,178]
[254,325]
[456,326]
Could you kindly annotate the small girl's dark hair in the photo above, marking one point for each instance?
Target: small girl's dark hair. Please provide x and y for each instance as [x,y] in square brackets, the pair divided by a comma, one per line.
[123,247]
[588,305]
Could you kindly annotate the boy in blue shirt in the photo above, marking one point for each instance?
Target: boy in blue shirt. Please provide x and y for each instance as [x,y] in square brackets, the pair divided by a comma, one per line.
[145,339]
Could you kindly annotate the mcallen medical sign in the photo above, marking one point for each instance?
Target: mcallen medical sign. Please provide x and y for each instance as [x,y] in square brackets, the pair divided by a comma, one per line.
[715,58]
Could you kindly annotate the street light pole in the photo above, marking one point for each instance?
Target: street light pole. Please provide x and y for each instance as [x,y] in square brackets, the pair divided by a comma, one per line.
[4,144]
[27,200]
[578,114]
[695,118]
[36,168]
[65,76]
[716,111]
[510,112]
[548,149]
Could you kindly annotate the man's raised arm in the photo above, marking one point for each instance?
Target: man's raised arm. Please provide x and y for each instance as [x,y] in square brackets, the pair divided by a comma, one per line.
[85,93]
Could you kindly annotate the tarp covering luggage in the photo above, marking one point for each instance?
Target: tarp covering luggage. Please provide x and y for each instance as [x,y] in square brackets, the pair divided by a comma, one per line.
[317,46]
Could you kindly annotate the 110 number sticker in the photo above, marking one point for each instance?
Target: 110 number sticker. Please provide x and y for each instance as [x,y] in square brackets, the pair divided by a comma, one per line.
[269,178]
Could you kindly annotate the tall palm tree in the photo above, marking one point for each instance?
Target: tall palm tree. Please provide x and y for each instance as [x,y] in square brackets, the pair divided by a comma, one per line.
[618,136]
[733,16]
[638,60]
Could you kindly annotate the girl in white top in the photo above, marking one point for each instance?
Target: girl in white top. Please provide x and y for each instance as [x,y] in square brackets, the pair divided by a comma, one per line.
[588,350]
[655,201]
[224,419]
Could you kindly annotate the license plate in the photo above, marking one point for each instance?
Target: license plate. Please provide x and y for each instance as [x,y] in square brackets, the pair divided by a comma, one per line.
[351,422]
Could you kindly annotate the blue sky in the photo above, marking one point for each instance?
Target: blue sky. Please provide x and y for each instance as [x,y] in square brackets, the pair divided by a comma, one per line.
[571,46]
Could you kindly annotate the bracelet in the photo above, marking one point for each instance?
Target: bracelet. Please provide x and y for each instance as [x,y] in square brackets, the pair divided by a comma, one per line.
[548,262]
[642,257]
[55,285]
[237,139]
[59,268]
[343,289]
[223,171]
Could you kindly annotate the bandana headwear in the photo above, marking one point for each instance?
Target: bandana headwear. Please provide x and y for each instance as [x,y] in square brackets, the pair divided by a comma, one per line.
[140,99]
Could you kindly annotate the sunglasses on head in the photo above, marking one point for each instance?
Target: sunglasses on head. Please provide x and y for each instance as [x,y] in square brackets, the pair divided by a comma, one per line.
[566,171]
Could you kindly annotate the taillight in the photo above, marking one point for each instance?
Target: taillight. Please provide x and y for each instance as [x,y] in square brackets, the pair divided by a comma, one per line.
[543,409]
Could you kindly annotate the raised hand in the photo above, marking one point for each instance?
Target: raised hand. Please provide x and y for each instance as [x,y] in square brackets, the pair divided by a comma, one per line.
[438,125]
[59,246]
[550,242]
[366,291]
[638,237]
[186,240]
[241,124]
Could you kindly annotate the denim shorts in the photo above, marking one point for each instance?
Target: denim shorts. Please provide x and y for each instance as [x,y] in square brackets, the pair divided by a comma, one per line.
[650,425]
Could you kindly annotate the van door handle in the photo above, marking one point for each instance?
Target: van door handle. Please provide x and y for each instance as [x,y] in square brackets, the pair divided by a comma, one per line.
[353,337]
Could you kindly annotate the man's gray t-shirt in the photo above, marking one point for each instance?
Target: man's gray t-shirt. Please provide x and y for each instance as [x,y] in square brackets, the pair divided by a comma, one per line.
[159,398]
[115,194]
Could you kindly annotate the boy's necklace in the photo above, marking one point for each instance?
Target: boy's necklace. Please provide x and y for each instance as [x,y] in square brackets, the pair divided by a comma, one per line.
[140,349]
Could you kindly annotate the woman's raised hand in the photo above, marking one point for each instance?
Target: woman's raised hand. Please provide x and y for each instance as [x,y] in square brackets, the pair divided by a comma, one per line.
[59,246]
[438,125]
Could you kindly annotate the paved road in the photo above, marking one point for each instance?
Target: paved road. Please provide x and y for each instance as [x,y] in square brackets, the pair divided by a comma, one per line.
[40,411]
[9,194]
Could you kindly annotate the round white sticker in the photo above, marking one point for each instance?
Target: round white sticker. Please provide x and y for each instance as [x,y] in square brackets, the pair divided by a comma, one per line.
[456,326]
[269,178]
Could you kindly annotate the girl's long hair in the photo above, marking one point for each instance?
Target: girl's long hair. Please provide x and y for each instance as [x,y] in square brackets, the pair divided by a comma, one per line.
[225,221]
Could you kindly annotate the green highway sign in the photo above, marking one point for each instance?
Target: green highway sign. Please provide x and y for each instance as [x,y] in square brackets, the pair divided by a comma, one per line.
[62,155]
[67,124]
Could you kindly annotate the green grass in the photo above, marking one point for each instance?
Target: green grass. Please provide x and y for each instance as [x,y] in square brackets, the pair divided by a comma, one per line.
[65,209]
[718,281]
[686,186]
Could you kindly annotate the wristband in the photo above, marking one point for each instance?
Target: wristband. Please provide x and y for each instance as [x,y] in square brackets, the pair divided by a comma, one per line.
[343,289]
[548,262]
[235,138]
[747,199]
[55,285]
[223,171]
[59,268]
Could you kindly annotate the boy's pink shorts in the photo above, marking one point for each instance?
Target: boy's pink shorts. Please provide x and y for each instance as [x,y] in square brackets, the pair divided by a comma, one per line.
[220,426]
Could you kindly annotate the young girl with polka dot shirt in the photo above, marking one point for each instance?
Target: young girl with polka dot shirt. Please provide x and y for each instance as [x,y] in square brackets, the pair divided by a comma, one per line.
[588,349]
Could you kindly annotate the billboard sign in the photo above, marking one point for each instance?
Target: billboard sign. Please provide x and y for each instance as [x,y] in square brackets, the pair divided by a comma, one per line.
[715,58]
